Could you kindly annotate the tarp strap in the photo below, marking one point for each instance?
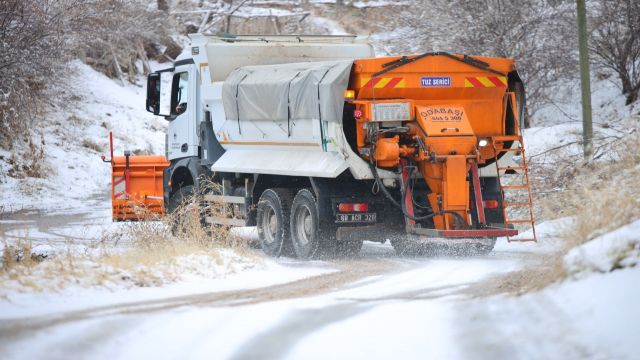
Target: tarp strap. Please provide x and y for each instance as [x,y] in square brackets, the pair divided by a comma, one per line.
[322,139]
[289,105]
[238,106]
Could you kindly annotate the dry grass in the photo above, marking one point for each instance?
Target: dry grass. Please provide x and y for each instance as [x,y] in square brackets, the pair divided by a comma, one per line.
[138,254]
[601,196]
[90,144]
[29,161]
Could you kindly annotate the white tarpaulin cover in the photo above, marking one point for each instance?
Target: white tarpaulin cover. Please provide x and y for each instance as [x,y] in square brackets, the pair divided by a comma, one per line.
[288,92]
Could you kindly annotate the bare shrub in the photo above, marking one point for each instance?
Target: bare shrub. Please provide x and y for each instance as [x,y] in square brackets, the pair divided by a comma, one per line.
[90,144]
[616,42]
[601,196]
[538,34]
[32,48]
[114,35]
[31,162]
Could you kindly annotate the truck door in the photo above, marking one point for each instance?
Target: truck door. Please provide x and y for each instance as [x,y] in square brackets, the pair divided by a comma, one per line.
[181,135]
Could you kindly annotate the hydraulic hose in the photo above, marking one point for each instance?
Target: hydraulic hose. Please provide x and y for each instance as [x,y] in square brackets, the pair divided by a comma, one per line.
[403,194]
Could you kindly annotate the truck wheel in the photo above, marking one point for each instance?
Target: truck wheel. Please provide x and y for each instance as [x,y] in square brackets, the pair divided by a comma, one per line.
[304,224]
[272,218]
[179,197]
[178,200]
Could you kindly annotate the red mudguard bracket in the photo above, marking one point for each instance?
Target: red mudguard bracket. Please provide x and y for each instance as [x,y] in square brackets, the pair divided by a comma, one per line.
[477,233]
[477,192]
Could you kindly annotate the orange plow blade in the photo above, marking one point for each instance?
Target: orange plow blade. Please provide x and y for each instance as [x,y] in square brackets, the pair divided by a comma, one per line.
[136,189]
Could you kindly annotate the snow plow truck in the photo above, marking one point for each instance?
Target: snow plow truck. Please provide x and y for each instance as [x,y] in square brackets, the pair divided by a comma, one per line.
[321,145]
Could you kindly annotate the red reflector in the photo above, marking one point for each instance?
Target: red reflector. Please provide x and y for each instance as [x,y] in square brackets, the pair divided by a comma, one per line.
[361,207]
[357,113]
[353,207]
[491,204]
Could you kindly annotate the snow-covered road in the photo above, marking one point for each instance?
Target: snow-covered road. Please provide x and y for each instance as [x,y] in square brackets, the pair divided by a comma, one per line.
[375,306]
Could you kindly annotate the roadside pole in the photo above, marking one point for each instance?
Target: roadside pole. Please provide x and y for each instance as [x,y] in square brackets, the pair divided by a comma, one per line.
[587,125]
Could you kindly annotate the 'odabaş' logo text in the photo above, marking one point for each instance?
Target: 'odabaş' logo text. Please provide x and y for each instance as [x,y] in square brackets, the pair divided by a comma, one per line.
[435,81]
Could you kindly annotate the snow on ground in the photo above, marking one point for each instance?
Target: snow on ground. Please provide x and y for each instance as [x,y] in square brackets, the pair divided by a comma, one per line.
[608,105]
[328,26]
[547,234]
[217,278]
[614,250]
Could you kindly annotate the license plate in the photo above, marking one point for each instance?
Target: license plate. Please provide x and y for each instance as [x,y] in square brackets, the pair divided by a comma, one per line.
[349,218]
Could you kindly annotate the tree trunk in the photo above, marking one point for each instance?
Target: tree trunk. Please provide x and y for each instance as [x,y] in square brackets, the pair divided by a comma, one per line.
[632,96]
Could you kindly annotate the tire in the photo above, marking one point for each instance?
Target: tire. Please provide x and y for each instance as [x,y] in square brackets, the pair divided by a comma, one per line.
[304,221]
[177,198]
[272,219]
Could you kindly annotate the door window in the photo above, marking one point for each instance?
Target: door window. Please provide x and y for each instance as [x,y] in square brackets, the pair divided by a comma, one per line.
[180,94]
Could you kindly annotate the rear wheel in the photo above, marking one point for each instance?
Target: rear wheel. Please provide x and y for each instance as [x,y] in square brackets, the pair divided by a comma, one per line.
[272,218]
[304,224]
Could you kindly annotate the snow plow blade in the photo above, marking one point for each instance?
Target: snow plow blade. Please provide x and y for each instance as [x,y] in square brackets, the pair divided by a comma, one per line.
[137,187]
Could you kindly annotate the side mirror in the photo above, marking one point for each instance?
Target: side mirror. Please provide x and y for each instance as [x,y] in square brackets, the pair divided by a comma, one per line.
[153,93]
[159,92]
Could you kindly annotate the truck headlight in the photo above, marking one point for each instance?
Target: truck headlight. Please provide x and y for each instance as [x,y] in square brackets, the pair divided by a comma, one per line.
[483,143]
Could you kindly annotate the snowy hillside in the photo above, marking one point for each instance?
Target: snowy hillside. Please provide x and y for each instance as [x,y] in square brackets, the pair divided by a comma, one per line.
[75,133]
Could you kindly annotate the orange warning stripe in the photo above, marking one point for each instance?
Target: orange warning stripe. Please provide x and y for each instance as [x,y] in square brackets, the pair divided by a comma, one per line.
[485,81]
[382,83]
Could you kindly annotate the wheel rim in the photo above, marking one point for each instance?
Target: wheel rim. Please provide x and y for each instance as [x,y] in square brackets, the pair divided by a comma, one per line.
[304,225]
[270,225]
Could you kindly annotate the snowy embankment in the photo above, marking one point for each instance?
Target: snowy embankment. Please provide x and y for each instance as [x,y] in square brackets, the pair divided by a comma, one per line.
[601,296]
[75,133]
[615,250]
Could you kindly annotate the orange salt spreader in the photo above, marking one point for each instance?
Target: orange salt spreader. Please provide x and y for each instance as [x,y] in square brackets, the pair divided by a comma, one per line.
[444,115]
[136,188]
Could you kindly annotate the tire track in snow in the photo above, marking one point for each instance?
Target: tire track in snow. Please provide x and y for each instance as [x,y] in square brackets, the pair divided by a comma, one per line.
[349,271]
